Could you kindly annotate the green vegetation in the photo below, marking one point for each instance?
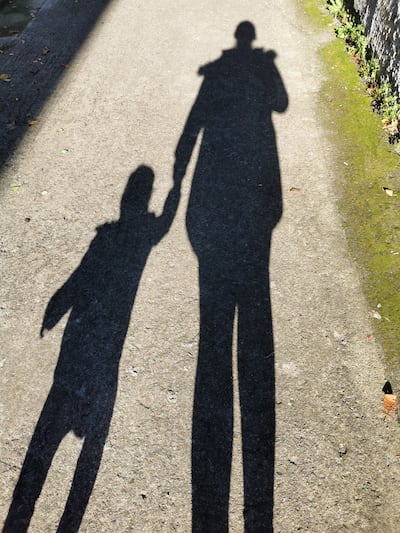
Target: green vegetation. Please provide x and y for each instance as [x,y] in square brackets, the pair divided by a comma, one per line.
[317,12]
[384,100]
[369,175]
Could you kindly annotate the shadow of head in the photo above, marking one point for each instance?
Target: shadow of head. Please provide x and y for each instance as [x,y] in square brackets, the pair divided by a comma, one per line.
[137,194]
[245,34]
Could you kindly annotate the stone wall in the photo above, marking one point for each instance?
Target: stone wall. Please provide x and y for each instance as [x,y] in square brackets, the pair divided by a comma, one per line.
[381,19]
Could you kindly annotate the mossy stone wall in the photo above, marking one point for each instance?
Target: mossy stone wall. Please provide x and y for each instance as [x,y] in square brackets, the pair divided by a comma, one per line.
[381,19]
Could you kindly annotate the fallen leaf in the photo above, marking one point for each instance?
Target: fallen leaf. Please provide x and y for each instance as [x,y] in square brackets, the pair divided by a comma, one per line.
[342,449]
[390,406]
[294,189]
[5,77]
[15,188]
[388,191]
[32,122]
[392,127]
[45,50]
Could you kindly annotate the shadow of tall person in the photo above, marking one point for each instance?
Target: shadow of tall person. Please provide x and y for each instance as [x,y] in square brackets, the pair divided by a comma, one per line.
[100,294]
[234,205]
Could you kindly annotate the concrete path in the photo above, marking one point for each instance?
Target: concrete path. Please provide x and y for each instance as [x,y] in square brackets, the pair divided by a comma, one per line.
[122,102]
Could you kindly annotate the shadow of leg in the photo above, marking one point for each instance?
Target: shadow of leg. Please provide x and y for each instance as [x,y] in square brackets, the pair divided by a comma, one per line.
[257,401]
[213,409]
[51,428]
[85,474]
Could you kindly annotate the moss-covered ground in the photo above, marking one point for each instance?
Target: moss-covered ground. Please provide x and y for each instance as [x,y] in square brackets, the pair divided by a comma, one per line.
[368,172]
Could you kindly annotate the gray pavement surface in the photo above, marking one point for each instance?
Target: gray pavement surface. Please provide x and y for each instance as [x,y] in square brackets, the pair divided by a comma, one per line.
[130,345]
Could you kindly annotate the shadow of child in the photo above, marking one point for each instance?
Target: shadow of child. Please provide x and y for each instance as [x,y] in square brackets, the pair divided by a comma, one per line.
[100,294]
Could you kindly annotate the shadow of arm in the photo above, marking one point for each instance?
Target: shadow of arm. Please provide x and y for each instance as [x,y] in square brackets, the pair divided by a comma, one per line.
[278,94]
[165,220]
[59,304]
[187,141]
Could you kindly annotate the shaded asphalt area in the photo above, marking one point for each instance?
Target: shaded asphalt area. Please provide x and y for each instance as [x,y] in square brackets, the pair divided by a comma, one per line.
[36,61]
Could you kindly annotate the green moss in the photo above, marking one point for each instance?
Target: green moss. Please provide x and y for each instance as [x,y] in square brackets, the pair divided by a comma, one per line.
[365,163]
[316,13]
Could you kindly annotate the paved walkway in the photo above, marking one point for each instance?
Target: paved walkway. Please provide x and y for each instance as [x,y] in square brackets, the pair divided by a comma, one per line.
[110,390]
